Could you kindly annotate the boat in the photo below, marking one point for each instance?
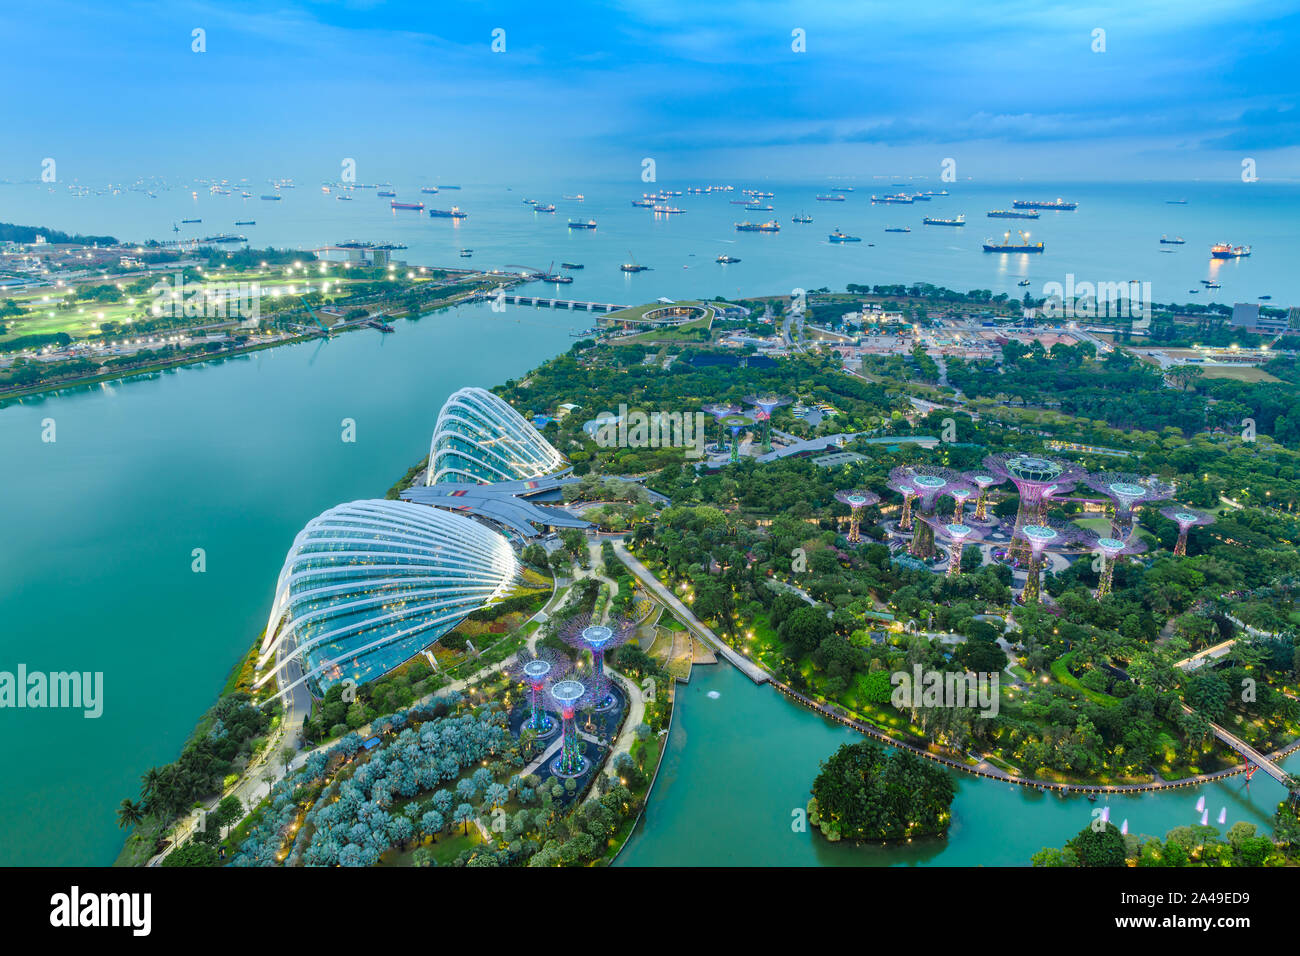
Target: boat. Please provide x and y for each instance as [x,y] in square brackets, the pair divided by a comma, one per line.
[1193,291]
[530,202]
[270,198]
[386,193]
[931,221]
[1176,241]
[897,198]
[246,195]
[835,198]
[759,208]
[441,186]
[673,210]
[838,236]
[344,198]
[578,198]
[245,222]
[770,226]
[225,238]
[571,265]
[1223,250]
[726,259]
[1006,245]
[555,277]
[184,221]
[898,229]
[452,213]
[644,203]
[579,224]
[549,207]
[735,202]
[1212,284]
[1012,214]
[1264,297]
[406,205]
[802,217]
[381,326]
[921,197]
[1057,203]
[1023,282]
[466,253]
[356,244]
[428,189]
[632,265]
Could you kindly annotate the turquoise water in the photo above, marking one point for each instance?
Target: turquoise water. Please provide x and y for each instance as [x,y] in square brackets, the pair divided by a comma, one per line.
[740,763]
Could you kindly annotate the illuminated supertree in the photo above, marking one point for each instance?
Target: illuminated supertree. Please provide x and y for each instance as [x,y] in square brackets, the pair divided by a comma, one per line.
[905,488]
[957,535]
[570,696]
[928,483]
[1110,549]
[1033,477]
[1126,492]
[1042,536]
[982,480]
[857,500]
[766,405]
[543,668]
[736,423]
[1186,519]
[719,412]
[580,632]
[960,494]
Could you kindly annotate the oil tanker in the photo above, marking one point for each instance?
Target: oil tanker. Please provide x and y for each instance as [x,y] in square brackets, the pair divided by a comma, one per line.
[931,221]
[452,213]
[1224,250]
[1006,245]
[1012,214]
[406,205]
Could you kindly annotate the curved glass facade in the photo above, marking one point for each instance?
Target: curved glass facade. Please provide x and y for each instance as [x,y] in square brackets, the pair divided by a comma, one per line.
[480,439]
[368,584]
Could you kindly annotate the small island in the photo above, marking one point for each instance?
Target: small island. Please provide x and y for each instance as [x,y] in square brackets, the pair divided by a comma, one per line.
[866,792]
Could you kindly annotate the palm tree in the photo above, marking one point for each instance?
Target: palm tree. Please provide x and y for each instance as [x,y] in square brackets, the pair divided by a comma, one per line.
[129,814]
[463,815]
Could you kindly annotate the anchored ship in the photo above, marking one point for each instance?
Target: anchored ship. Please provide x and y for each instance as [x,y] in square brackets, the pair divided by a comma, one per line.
[1044,204]
[1012,214]
[838,236]
[769,226]
[406,205]
[830,198]
[897,198]
[579,224]
[1224,250]
[452,213]
[931,221]
[1176,241]
[725,259]
[1006,245]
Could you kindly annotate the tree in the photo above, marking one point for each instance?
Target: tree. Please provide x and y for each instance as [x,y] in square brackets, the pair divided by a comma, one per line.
[1103,847]
[129,814]
[464,815]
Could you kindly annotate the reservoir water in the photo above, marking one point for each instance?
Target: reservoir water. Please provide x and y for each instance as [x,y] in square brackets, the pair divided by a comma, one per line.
[100,526]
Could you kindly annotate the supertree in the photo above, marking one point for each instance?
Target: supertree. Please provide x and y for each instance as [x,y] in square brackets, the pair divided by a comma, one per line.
[957,534]
[928,483]
[570,696]
[766,405]
[983,481]
[542,668]
[1033,477]
[1110,549]
[719,412]
[1042,536]
[580,632]
[1186,519]
[857,500]
[736,423]
[905,488]
[1126,492]
[960,494]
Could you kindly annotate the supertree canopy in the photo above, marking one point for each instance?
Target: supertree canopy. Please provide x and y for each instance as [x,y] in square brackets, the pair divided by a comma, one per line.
[1034,479]
[581,632]
[957,534]
[1042,536]
[736,423]
[1186,519]
[568,697]
[904,487]
[857,500]
[1126,492]
[537,672]
[928,483]
[1111,549]
[766,405]
[982,480]
[960,494]
[720,411]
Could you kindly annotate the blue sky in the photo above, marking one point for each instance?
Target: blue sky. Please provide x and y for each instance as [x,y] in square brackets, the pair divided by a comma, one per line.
[710,91]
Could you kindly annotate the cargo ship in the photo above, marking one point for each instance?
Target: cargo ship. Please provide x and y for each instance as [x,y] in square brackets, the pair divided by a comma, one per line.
[440,186]
[184,221]
[931,221]
[549,207]
[644,203]
[579,224]
[1224,250]
[769,226]
[673,210]
[1176,241]
[578,198]
[802,217]
[570,265]
[726,259]
[1044,204]
[273,198]
[758,206]
[1006,245]
[830,198]
[921,197]
[898,229]
[386,193]
[838,236]
[406,205]
[344,198]
[452,213]
[1012,214]
[246,222]
[466,253]
[898,198]
[428,189]
[757,194]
